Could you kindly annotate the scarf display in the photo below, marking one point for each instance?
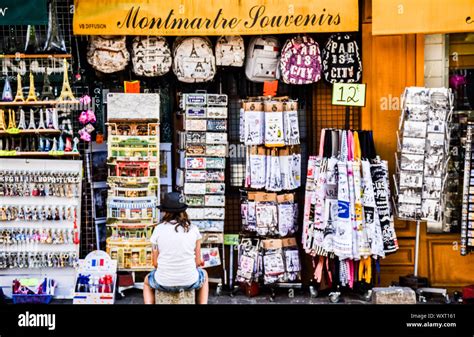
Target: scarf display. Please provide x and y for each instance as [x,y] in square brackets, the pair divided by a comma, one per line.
[347,211]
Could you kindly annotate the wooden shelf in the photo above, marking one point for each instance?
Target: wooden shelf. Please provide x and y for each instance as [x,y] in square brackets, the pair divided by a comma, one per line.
[40,154]
[32,132]
[38,103]
[35,56]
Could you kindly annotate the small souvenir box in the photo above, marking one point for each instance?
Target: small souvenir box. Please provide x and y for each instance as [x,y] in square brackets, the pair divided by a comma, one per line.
[96,279]
[135,255]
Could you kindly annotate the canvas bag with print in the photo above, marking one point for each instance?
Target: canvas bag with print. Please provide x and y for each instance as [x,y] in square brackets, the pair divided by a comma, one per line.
[300,61]
[341,59]
[108,54]
[263,55]
[230,51]
[194,60]
[151,56]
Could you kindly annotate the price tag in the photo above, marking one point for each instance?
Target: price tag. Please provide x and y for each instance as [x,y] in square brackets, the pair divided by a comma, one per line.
[4,153]
[348,94]
[56,153]
[13,131]
[231,239]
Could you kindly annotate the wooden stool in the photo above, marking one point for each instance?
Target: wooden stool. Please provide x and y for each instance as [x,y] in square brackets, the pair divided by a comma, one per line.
[183,297]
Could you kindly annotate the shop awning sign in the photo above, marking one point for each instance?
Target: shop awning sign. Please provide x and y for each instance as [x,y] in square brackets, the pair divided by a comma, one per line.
[422,16]
[24,12]
[213,17]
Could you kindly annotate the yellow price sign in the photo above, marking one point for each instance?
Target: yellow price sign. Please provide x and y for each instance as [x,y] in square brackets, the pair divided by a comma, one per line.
[348,94]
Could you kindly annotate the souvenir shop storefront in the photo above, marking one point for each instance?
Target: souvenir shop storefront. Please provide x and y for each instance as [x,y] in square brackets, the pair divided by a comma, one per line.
[267,117]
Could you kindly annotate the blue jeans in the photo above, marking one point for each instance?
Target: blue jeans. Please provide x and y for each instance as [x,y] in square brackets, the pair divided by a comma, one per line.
[176,289]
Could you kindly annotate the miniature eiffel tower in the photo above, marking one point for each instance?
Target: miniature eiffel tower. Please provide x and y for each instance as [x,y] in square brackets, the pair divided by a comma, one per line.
[41,121]
[19,90]
[7,95]
[31,125]
[2,120]
[22,122]
[47,91]
[32,93]
[66,92]
[11,119]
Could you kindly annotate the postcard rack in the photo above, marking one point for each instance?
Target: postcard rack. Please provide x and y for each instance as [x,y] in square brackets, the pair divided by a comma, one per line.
[204,146]
[423,154]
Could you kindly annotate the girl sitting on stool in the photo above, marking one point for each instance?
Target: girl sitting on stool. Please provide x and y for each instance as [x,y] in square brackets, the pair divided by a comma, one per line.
[176,254]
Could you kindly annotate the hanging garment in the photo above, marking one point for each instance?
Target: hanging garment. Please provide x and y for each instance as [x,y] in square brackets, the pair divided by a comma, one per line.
[267,218]
[274,135]
[343,237]
[290,123]
[286,219]
[363,246]
[308,215]
[273,181]
[371,216]
[331,204]
[254,127]
[257,170]
[379,171]
[352,188]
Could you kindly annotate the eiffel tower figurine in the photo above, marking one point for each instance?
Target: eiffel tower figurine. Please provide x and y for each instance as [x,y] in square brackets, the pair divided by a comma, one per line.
[66,92]
[31,125]
[19,90]
[32,93]
[2,120]
[7,95]
[22,122]
[47,91]
[49,119]
[41,121]
[11,119]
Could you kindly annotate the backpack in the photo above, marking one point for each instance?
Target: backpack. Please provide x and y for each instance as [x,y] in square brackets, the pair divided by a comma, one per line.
[230,51]
[151,56]
[341,59]
[262,59]
[194,59]
[108,54]
[300,61]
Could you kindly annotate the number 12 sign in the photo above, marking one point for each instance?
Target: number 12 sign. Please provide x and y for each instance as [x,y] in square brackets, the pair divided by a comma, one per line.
[349,94]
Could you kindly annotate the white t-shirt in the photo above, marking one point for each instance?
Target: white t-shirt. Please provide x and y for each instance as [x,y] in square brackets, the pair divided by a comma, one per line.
[176,259]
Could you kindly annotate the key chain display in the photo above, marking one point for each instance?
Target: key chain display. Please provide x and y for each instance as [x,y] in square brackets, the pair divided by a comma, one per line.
[203,148]
[347,213]
[269,129]
[133,162]
[40,203]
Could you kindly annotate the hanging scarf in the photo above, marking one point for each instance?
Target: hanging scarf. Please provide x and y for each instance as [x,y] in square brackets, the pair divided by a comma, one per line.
[319,210]
[352,187]
[362,245]
[331,205]
[371,215]
[308,215]
[343,237]
[379,172]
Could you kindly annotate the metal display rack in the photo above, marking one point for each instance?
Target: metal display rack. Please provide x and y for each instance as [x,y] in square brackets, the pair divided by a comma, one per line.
[204,146]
